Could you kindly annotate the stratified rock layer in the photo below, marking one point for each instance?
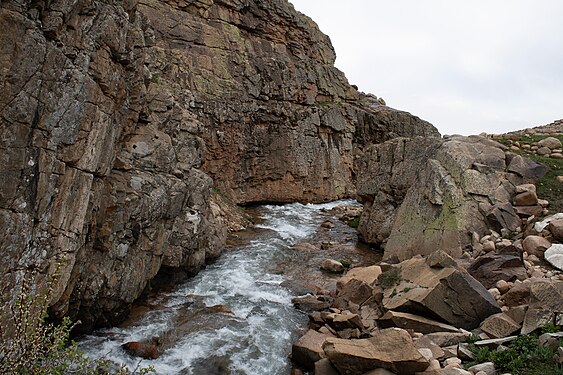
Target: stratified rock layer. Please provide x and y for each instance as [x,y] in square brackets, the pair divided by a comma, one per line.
[117,118]
[279,121]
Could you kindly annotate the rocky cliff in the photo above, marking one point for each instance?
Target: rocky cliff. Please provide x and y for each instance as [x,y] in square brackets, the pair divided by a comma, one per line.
[427,194]
[278,121]
[118,118]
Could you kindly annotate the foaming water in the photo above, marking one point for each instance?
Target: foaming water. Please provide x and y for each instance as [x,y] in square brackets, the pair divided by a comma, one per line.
[234,317]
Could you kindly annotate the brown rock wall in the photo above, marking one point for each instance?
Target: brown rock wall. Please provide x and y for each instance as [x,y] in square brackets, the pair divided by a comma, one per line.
[86,179]
[117,119]
[279,121]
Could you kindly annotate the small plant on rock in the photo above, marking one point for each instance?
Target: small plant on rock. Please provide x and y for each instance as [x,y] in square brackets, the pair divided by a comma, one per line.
[355,222]
[389,278]
[31,345]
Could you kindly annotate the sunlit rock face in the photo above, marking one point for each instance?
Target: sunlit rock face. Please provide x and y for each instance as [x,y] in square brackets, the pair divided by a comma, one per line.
[118,117]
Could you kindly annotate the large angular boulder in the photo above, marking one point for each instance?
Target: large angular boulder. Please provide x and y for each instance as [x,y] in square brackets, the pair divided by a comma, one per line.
[424,194]
[500,325]
[358,287]
[506,264]
[449,294]
[413,322]
[308,349]
[391,349]
[367,275]
[546,305]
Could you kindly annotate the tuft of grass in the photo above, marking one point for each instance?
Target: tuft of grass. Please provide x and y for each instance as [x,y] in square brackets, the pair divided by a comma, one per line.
[355,222]
[389,278]
[524,356]
[155,78]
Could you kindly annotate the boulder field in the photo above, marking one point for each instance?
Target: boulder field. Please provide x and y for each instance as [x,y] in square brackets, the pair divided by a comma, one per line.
[429,307]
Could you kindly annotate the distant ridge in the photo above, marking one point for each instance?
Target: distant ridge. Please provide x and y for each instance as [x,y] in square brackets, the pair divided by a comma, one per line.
[556,127]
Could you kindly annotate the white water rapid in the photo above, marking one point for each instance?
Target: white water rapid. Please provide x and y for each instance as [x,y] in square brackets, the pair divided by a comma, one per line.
[198,333]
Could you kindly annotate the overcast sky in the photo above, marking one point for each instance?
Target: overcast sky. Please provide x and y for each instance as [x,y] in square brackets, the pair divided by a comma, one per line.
[465,66]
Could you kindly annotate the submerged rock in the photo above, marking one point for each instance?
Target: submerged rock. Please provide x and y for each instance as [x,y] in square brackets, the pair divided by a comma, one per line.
[332,265]
[141,349]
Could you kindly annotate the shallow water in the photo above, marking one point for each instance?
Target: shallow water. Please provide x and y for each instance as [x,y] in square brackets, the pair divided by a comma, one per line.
[234,317]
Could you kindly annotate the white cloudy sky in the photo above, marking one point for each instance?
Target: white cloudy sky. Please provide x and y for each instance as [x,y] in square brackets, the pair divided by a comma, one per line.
[465,66]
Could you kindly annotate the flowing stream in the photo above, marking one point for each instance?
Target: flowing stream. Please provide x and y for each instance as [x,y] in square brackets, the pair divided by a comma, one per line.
[235,316]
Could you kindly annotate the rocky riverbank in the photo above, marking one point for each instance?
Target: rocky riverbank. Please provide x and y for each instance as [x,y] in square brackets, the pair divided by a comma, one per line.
[441,304]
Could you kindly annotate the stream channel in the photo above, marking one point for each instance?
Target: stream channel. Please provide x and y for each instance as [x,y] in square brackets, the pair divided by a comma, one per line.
[236,316]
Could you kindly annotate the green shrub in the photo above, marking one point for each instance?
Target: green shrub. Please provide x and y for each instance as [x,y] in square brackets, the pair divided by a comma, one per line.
[31,345]
[524,356]
[551,328]
[389,278]
[355,222]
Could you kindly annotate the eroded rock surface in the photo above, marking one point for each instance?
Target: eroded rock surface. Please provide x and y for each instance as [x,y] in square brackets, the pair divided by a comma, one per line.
[424,194]
[118,118]
[279,121]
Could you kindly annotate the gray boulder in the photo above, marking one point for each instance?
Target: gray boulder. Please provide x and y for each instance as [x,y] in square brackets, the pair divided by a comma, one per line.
[452,295]
[423,194]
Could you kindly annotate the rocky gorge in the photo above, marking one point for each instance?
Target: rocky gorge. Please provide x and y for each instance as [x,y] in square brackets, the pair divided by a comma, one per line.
[118,119]
[131,130]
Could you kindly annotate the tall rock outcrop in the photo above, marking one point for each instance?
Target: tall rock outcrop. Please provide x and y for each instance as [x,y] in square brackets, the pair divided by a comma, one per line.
[279,121]
[118,117]
[86,180]
[427,194]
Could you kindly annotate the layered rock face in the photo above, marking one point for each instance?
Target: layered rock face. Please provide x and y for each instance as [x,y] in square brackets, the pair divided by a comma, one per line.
[425,194]
[87,180]
[118,117]
[279,121]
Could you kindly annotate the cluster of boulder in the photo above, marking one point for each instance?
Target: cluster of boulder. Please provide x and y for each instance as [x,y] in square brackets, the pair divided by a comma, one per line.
[549,146]
[415,317]
[413,314]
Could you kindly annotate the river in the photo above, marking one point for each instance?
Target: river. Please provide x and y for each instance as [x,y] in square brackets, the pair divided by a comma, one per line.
[236,315]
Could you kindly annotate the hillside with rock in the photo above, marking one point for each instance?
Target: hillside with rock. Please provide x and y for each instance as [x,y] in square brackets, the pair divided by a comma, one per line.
[425,194]
[473,263]
[124,122]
